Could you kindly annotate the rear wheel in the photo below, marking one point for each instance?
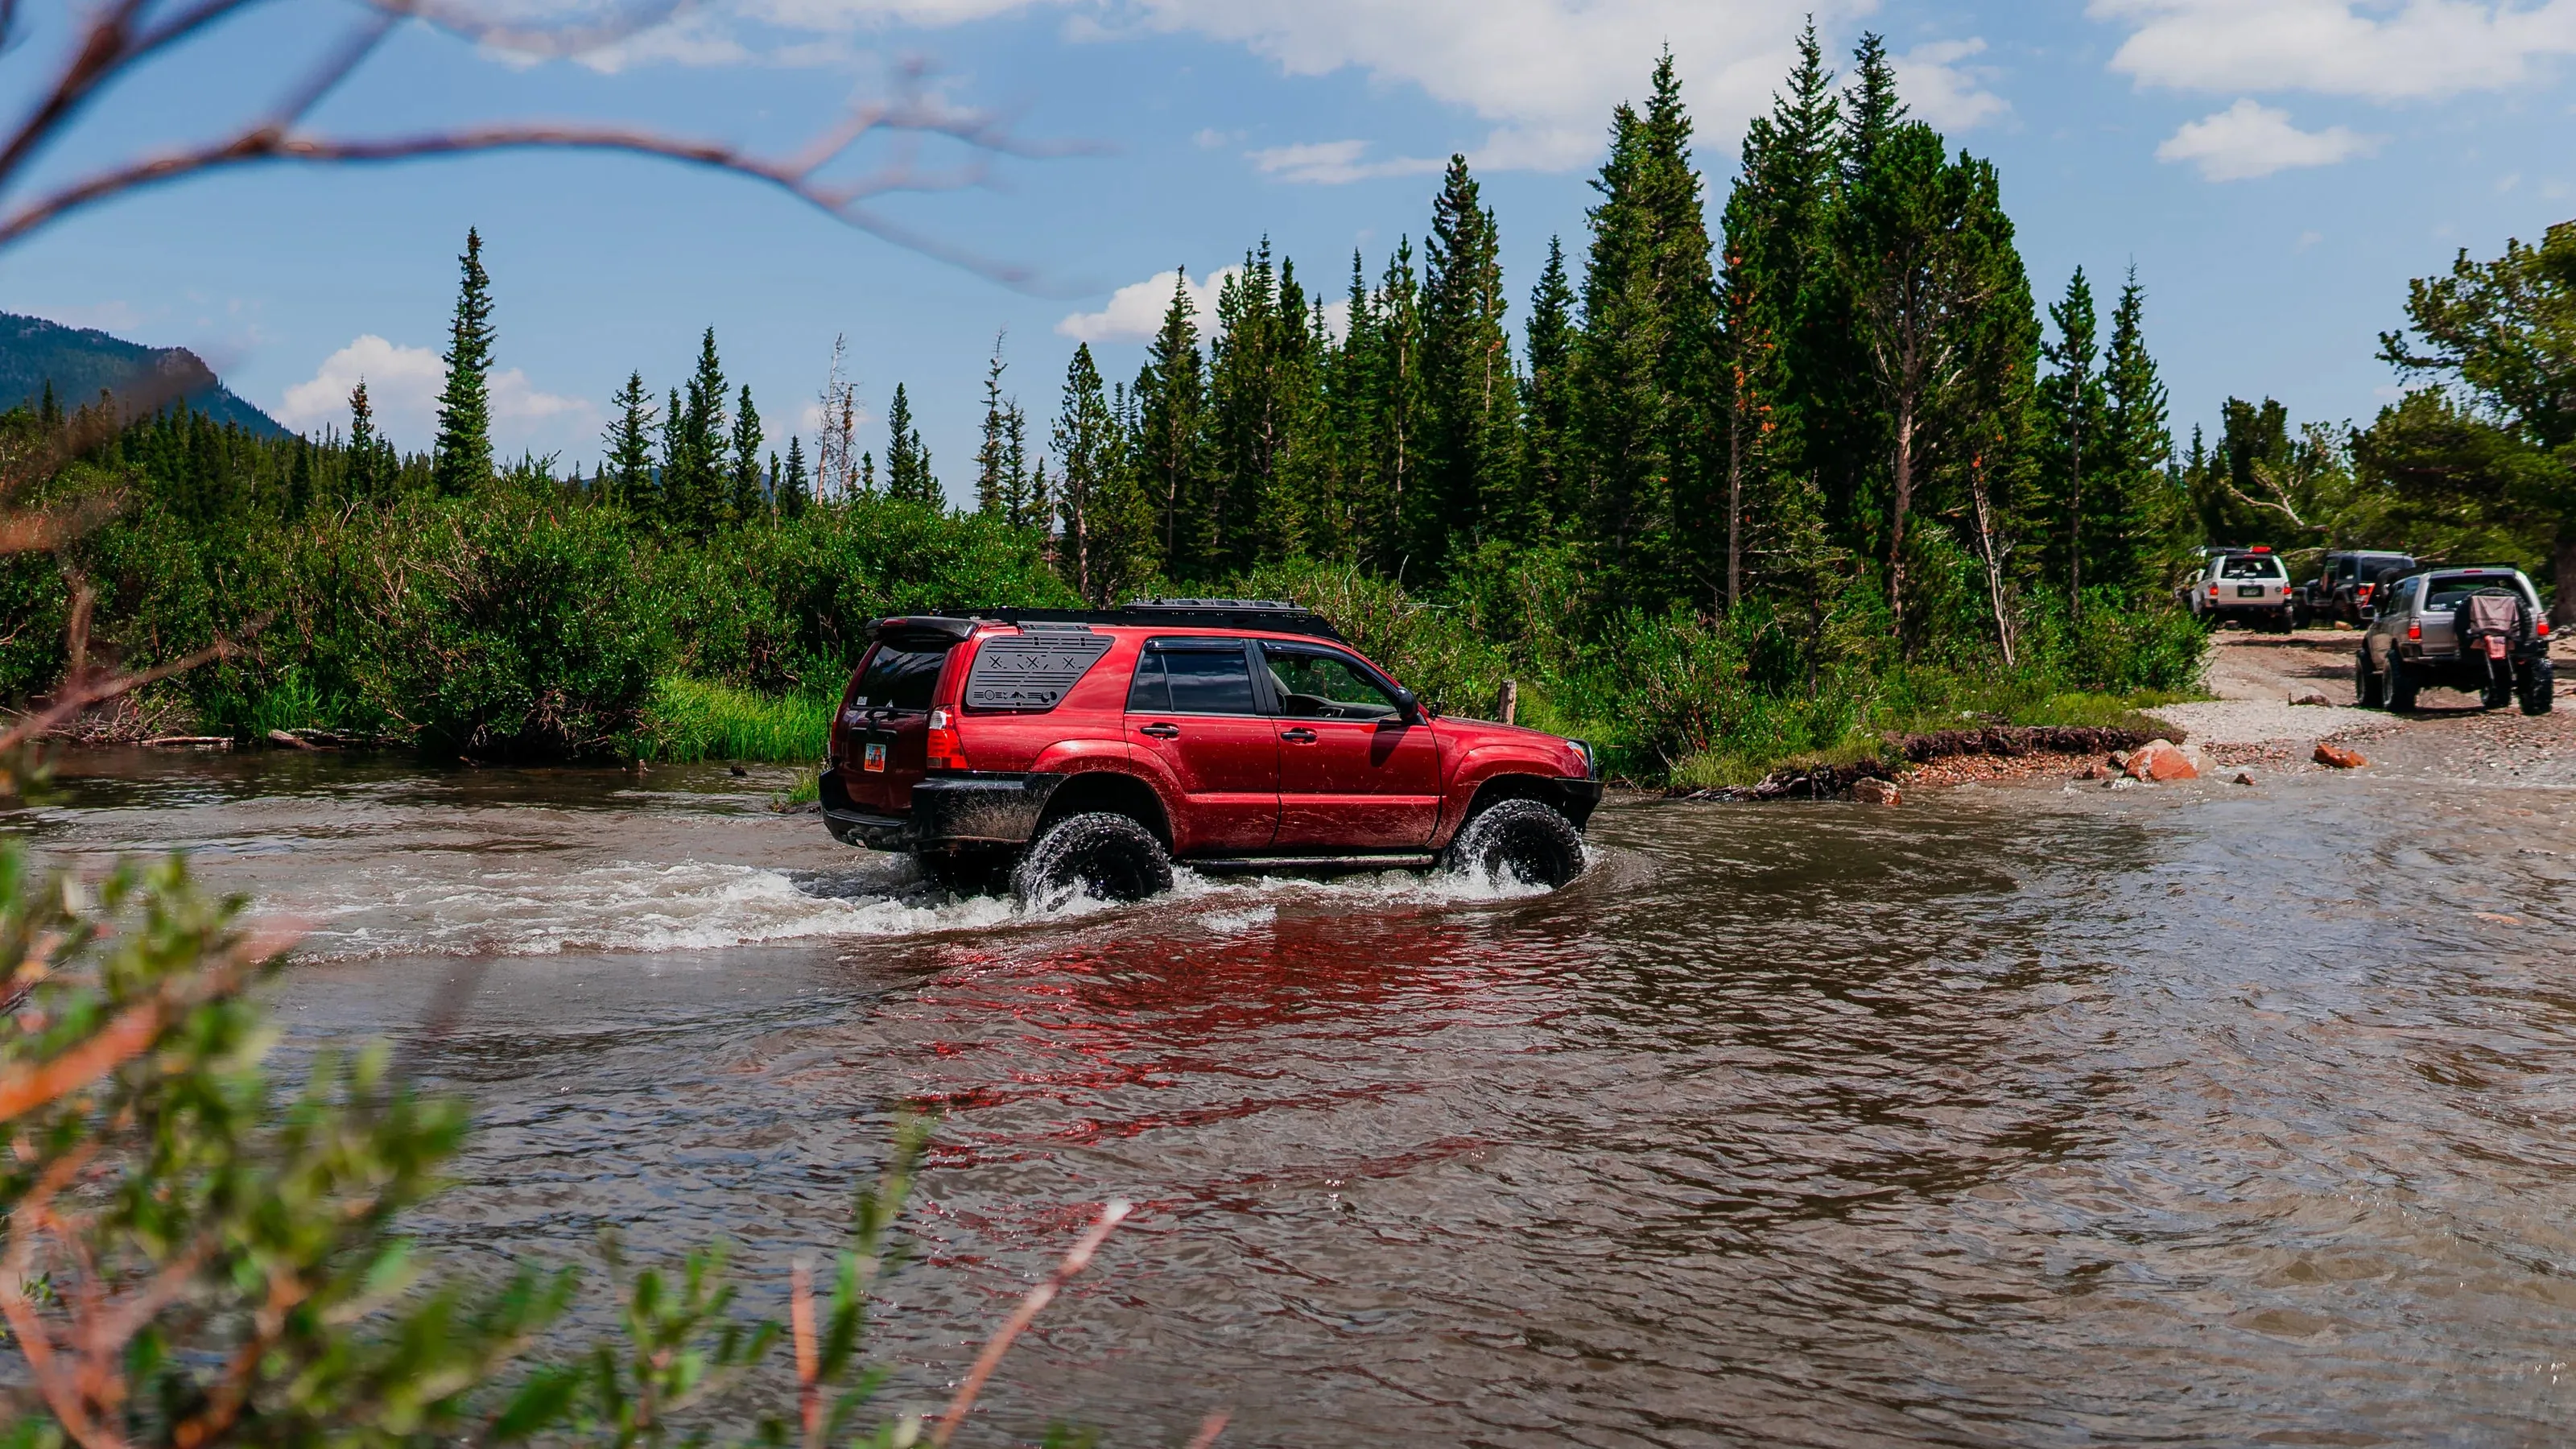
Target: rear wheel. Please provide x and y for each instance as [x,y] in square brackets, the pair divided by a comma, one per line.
[1105,856]
[2365,684]
[2539,688]
[1524,839]
[2400,687]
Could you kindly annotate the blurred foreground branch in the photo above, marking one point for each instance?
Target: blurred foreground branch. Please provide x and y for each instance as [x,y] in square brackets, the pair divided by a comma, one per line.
[123,35]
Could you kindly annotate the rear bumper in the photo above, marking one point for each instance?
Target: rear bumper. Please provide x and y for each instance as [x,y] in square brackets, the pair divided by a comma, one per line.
[974,808]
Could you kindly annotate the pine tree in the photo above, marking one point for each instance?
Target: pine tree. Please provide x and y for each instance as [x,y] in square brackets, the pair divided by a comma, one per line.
[1106,544]
[991,463]
[1260,396]
[1472,479]
[1171,421]
[1547,395]
[908,475]
[371,462]
[1874,110]
[2138,518]
[1646,393]
[694,489]
[49,412]
[670,496]
[746,502]
[2072,400]
[628,444]
[795,488]
[463,453]
[1388,420]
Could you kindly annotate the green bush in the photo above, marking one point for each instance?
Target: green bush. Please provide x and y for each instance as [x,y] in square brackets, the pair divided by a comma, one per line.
[690,720]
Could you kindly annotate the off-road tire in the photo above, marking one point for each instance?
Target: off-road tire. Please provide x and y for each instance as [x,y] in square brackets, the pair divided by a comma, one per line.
[1104,855]
[1524,839]
[2499,691]
[2400,687]
[2365,684]
[2539,690]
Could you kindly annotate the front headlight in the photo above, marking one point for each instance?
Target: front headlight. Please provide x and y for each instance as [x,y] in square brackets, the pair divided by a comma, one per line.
[1591,762]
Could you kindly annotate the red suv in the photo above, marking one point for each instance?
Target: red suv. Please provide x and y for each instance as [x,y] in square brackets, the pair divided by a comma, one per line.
[1084,752]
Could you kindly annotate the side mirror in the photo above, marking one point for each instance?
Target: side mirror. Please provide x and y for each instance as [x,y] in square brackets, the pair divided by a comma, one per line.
[1409,706]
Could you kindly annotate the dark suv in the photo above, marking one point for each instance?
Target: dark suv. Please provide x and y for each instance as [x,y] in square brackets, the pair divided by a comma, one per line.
[1074,753]
[2344,584]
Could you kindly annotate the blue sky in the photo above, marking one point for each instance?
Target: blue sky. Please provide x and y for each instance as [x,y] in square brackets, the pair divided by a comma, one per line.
[2275,169]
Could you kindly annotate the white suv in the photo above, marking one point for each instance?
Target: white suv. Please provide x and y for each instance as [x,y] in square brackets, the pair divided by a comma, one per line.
[2248,585]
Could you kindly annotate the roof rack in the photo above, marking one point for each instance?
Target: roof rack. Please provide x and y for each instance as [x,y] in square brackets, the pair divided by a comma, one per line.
[1272,615]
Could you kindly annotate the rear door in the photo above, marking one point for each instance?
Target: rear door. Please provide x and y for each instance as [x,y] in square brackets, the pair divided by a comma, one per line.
[887,720]
[1353,774]
[1192,706]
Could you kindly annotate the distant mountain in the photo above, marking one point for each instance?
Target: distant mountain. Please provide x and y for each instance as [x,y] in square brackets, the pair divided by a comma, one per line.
[82,362]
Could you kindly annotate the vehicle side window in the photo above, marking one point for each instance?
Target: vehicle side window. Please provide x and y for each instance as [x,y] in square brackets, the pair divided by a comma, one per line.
[1188,677]
[1314,684]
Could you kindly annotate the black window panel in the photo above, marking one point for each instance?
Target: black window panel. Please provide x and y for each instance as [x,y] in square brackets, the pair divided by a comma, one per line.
[1214,677]
[1031,672]
[1151,693]
[900,678]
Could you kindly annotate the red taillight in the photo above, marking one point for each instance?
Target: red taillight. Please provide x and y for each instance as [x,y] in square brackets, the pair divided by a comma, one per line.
[2362,594]
[2544,628]
[940,745]
[2414,631]
[2213,591]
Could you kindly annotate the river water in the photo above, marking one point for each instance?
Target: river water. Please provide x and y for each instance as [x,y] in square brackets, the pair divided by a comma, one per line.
[2017,1115]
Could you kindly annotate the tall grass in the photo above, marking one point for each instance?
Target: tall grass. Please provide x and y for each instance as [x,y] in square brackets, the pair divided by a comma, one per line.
[691,720]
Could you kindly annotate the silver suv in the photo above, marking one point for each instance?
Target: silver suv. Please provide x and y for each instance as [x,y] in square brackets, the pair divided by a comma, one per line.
[2415,637]
[2248,585]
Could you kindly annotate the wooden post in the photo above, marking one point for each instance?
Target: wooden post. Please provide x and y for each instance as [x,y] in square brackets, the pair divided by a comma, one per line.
[1511,702]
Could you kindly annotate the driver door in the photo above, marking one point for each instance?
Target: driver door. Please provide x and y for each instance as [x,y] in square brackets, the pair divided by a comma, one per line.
[1353,773]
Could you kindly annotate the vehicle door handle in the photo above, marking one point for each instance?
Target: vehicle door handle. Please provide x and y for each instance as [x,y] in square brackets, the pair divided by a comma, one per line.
[1300,736]
[1160,731]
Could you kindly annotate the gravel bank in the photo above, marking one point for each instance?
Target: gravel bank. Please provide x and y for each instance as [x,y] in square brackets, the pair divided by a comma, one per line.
[2253,721]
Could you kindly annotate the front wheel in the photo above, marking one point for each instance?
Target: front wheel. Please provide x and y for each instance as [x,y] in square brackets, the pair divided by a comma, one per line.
[1524,839]
[2365,684]
[1103,855]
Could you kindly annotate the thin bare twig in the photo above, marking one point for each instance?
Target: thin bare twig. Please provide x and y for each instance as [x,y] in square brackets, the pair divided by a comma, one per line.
[1111,1215]
[1209,1428]
[809,1366]
[80,695]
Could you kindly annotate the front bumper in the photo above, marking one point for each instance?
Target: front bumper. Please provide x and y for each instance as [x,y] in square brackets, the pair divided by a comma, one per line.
[1577,799]
[972,808]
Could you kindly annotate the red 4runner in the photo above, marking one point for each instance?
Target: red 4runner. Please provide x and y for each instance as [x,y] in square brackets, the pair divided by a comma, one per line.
[1085,752]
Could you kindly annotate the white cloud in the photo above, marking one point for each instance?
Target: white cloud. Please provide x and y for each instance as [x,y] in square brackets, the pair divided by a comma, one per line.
[1938,89]
[1541,75]
[1334,163]
[403,384]
[1135,311]
[2375,49]
[2248,140]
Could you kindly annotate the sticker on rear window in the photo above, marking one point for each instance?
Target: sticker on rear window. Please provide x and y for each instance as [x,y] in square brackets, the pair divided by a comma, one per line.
[1031,671]
[875,758]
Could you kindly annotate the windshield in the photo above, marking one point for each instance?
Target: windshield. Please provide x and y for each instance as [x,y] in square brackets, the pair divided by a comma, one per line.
[899,678]
[2251,566]
[2446,590]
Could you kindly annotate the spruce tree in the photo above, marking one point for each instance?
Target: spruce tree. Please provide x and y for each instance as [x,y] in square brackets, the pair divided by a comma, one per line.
[991,463]
[670,496]
[628,444]
[462,456]
[746,502]
[1547,395]
[2073,402]
[1874,110]
[370,467]
[1171,421]
[908,475]
[1260,395]
[695,487]
[1107,522]
[1472,478]
[2138,519]
[49,412]
[795,486]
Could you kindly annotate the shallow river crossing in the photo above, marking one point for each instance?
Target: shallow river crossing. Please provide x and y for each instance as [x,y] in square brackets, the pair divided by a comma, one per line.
[2017,1115]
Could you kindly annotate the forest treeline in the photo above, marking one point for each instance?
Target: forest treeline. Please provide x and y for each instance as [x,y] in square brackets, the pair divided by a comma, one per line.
[1741,481]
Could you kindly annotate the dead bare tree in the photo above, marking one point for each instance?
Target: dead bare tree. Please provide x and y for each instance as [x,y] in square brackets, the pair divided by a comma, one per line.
[122,36]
